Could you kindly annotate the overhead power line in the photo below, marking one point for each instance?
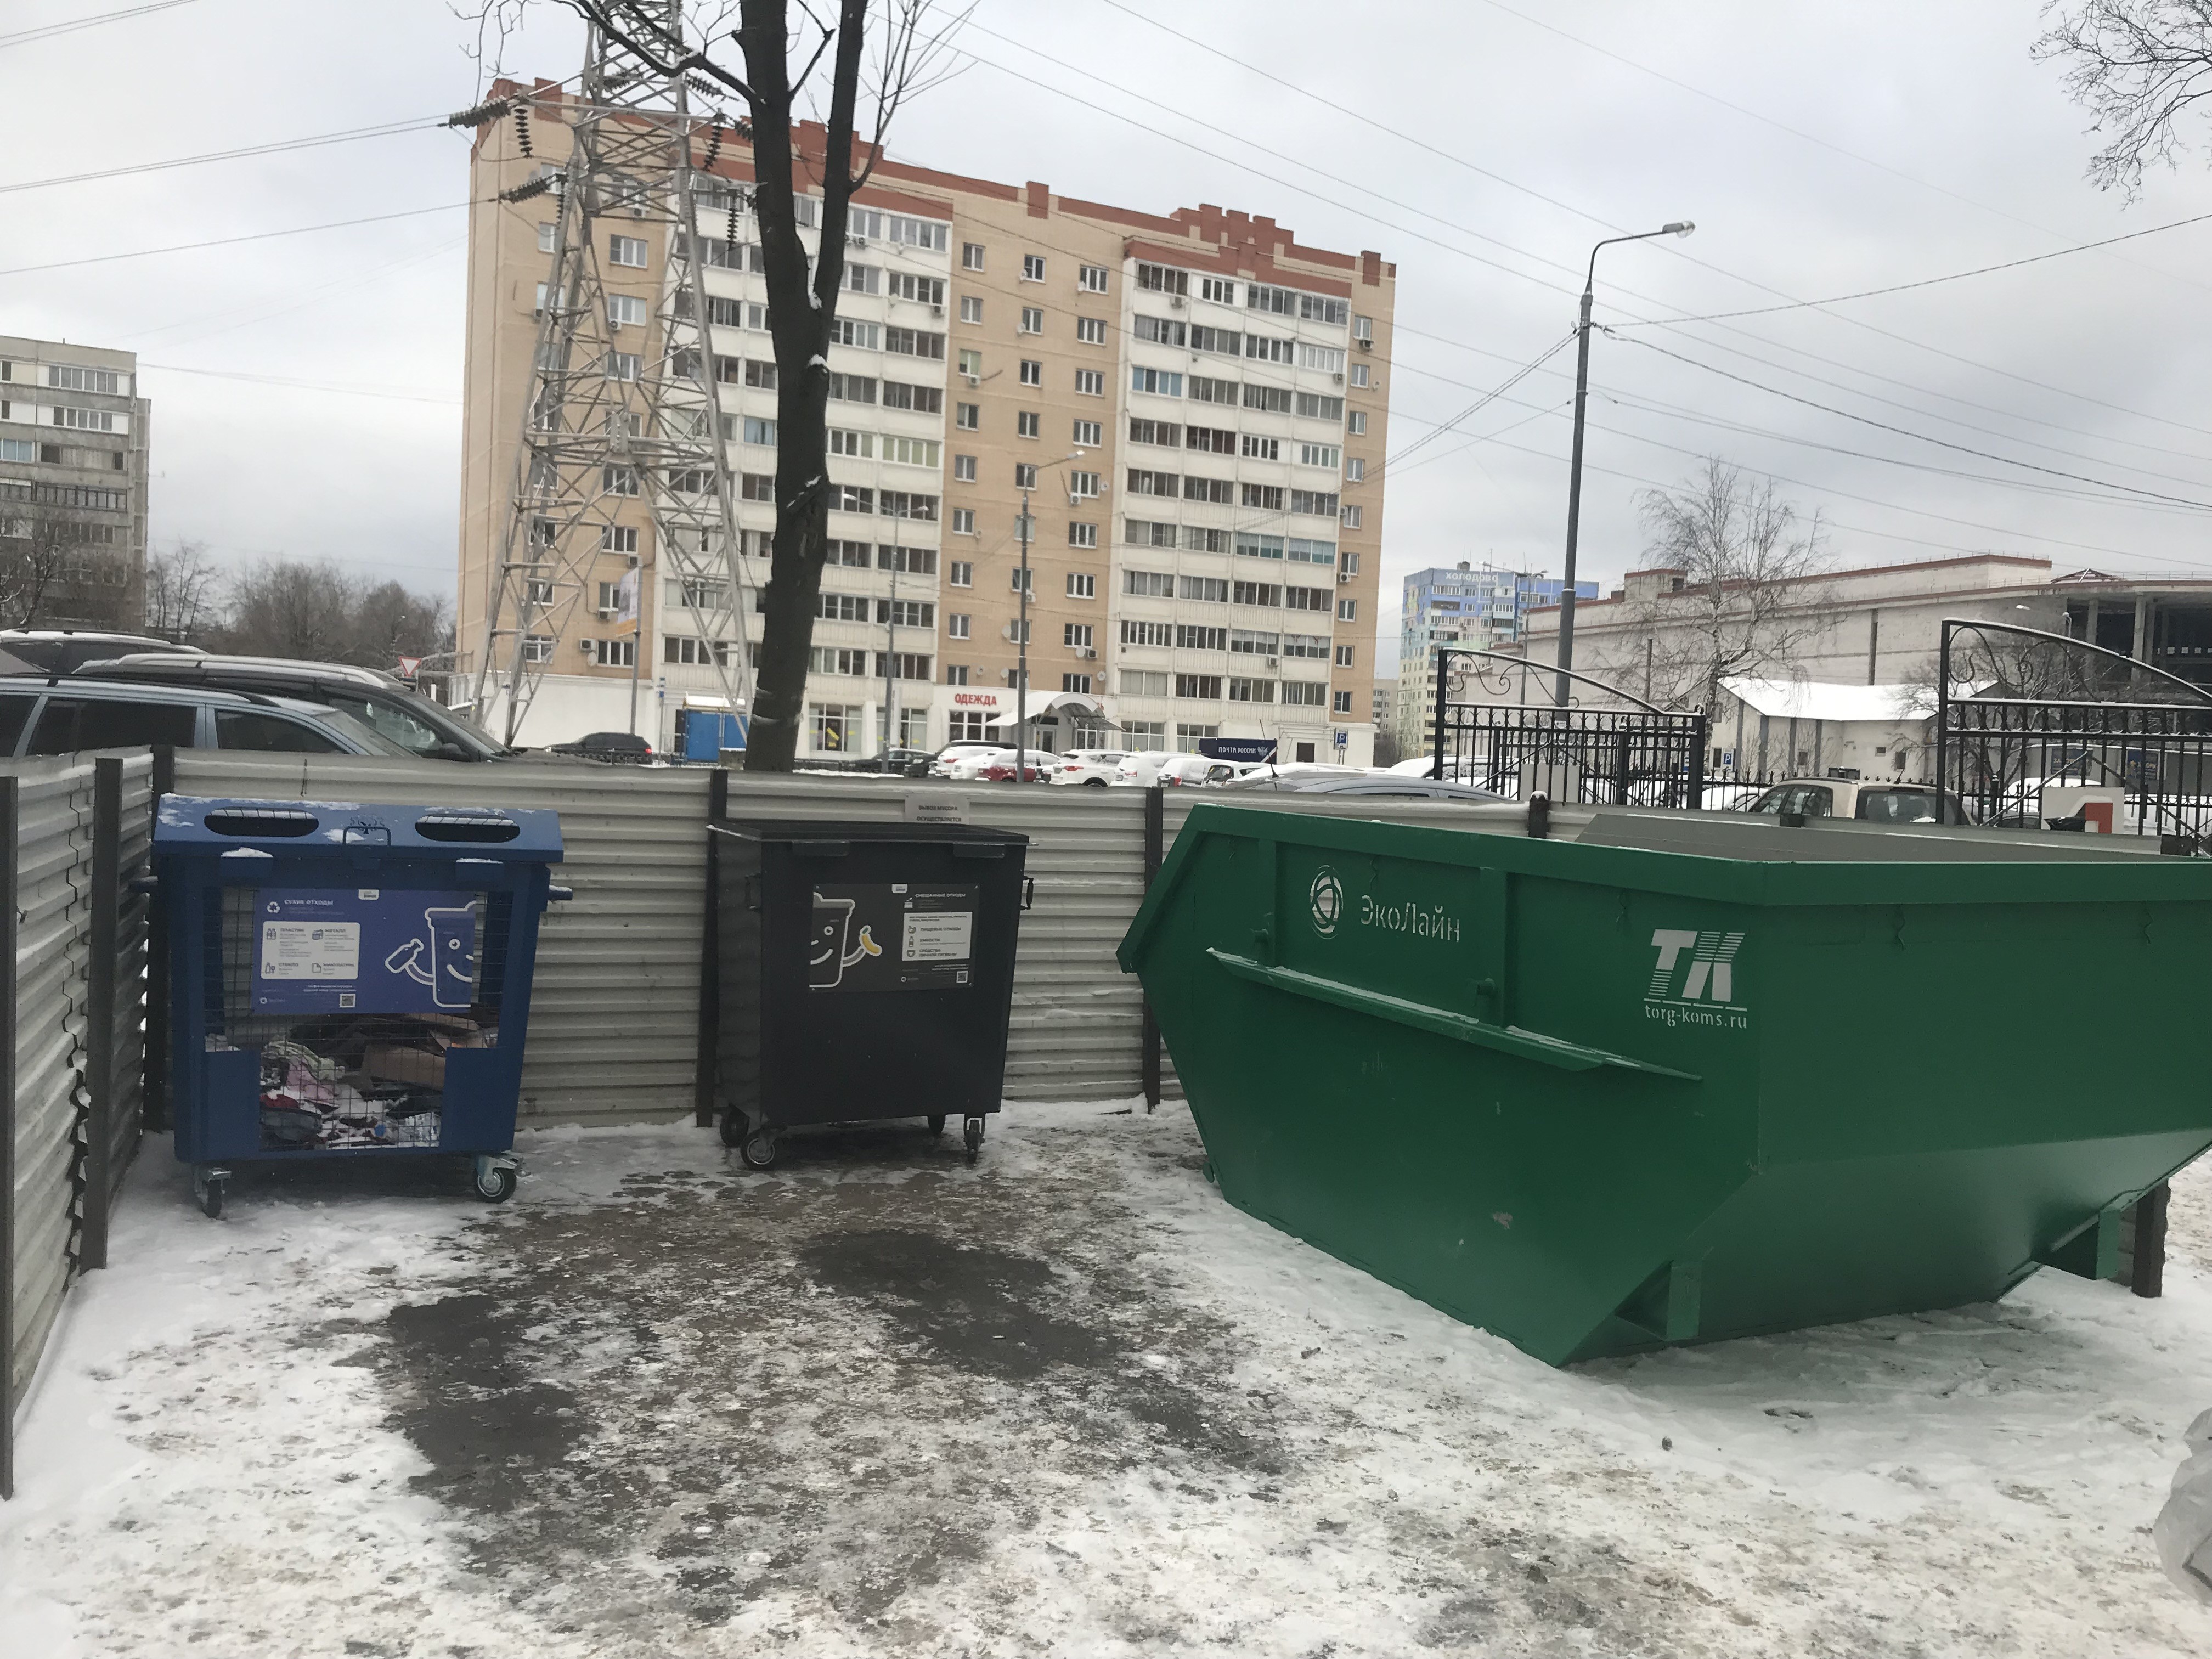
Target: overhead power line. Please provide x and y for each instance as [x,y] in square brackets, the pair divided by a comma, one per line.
[232,241]
[48,30]
[305,385]
[277,148]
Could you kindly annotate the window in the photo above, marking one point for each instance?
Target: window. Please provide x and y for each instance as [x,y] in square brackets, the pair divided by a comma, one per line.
[1355,470]
[1089,434]
[1320,502]
[914,343]
[911,451]
[1075,682]
[971,308]
[1075,635]
[1267,497]
[851,498]
[1032,372]
[1204,391]
[1314,646]
[958,624]
[849,331]
[1161,331]
[624,308]
[1340,702]
[967,417]
[1212,440]
[704,594]
[1091,330]
[757,317]
[1091,279]
[1083,486]
[762,375]
[842,607]
[615,653]
[923,399]
[1162,279]
[904,666]
[1190,638]
[693,480]
[618,538]
[1313,407]
[1144,533]
[756,486]
[626,251]
[1283,302]
[1348,610]
[621,366]
[758,431]
[1033,267]
[852,388]
[834,660]
[1206,687]
[1164,433]
[1308,552]
[1350,517]
[1257,448]
[1355,422]
[963,468]
[1142,683]
[906,613]
[618,480]
[961,725]
[851,554]
[963,522]
[1210,590]
[1251,690]
[69,725]
[1219,290]
[1304,694]
[1344,656]
[1349,564]
[921,561]
[1025,474]
[1032,319]
[1327,358]
[1018,633]
[1092,383]
[1359,375]
[1148,584]
[1142,482]
[960,573]
[907,504]
[1017,578]
[923,291]
[1269,348]
[1165,382]
[1147,633]
[1253,546]
[1267,595]
[1029,424]
[1227,342]
[536,648]
[836,727]
[971,364]
[683,649]
[1081,584]
[1275,399]
[1218,490]
[865,279]
[864,222]
[21,449]
[971,256]
[1319,455]
[545,235]
[1308,598]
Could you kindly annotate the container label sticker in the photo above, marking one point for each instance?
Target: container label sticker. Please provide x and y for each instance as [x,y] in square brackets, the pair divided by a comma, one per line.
[384,950]
[1694,980]
[303,950]
[891,936]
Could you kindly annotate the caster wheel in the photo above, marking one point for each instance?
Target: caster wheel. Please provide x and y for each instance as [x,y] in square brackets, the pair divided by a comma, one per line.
[937,1123]
[733,1128]
[208,1189]
[494,1182]
[759,1150]
[971,1131]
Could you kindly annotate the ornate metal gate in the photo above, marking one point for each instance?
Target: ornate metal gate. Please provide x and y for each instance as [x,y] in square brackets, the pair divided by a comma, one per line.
[1606,748]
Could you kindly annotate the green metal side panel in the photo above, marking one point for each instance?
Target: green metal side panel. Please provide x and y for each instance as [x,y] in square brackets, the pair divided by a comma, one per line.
[1596,1098]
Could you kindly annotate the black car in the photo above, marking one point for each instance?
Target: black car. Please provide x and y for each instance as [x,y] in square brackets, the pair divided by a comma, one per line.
[616,748]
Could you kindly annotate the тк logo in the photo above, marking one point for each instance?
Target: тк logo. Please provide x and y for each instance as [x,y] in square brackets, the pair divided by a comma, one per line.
[1326,894]
[1710,977]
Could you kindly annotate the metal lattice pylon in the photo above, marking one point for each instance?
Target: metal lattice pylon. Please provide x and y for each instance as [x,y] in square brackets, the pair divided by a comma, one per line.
[620,409]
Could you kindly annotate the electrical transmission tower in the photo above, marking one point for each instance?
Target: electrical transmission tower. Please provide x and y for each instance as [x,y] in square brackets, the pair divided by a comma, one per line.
[624,409]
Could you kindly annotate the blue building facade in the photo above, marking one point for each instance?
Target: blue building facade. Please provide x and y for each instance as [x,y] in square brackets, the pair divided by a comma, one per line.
[1478,605]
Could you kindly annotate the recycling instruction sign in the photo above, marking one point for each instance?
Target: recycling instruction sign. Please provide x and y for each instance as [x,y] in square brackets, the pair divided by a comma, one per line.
[363,949]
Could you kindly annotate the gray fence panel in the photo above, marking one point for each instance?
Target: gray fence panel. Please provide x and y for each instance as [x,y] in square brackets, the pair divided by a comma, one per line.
[614,1012]
[127,1069]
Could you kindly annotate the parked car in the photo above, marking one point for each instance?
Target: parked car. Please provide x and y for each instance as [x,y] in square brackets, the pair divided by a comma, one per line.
[616,748]
[419,726]
[942,766]
[1034,768]
[1196,772]
[65,650]
[1139,770]
[900,763]
[1869,800]
[62,716]
[1373,784]
[1091,767]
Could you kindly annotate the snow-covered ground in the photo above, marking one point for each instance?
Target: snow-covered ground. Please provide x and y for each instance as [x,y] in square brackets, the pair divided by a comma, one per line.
[1067,1402]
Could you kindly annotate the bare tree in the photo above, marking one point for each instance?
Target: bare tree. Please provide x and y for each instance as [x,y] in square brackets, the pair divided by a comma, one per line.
[60,567]
[182,588]
[2138,66]
[694,39]
[1739,554]
[31,567]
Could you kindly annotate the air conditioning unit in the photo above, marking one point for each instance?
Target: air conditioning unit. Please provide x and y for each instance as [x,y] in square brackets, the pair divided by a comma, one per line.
[1344,576]
[1274,662]
[1364,344]
[856,241]
[936,310]
[606,613]
[1178,300]
[973,379]
[1085,651]
[585,646]
[1338,378]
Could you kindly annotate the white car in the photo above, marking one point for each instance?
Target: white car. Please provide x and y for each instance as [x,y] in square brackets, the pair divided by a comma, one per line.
[1200,772]
[965,766]
[1141,770]
[942,766]
[1090,767]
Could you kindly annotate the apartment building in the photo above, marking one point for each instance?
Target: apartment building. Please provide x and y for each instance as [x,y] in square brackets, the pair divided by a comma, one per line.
[1189,406]
[72,486]
[1485,607]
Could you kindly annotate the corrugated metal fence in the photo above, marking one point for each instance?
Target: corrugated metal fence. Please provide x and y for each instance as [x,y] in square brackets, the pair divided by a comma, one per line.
[73,838]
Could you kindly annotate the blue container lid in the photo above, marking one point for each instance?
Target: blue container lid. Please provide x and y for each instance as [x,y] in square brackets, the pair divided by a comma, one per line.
[196,826]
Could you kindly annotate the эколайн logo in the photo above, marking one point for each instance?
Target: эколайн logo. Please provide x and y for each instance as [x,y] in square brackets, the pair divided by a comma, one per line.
[1327,895]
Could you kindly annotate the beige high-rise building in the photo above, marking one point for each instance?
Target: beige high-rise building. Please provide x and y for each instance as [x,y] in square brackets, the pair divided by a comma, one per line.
[1194,403]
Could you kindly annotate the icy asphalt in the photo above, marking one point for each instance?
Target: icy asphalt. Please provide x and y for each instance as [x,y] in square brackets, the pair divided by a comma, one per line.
[1065,1402]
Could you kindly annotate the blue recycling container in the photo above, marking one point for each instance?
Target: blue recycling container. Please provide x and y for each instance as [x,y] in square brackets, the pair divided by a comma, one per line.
[348,980]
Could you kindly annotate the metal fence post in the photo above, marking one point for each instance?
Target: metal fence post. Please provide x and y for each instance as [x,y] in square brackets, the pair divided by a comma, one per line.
[1155,818]
[1443,683]
[710,956]
[100,1009]
[155,1085]
[7,969]
[1698,763]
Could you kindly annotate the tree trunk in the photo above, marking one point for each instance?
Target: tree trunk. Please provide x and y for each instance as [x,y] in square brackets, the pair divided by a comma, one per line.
[799,321]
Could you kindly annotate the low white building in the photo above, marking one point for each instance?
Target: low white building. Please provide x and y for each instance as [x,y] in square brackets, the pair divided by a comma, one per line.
[1767,729]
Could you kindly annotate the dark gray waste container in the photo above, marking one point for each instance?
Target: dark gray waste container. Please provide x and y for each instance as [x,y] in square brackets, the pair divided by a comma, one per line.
[867,972]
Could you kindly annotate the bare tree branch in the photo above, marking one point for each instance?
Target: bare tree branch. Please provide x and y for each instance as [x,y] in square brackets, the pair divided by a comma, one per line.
[2138,66]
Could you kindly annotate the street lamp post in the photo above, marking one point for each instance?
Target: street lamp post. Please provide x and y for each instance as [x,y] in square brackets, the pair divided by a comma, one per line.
[1022,643]
[1566,652]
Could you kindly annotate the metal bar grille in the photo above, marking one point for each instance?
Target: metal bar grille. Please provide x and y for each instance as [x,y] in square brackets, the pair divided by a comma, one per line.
[1578,755]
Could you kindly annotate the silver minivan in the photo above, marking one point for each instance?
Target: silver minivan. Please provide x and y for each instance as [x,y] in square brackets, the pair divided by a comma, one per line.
[62,716]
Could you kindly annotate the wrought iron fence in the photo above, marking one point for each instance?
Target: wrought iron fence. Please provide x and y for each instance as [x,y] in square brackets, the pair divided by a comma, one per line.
[2057,732]
[1605,748]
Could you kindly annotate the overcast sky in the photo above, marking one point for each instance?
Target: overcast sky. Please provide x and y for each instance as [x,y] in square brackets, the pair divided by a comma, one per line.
[1822,150]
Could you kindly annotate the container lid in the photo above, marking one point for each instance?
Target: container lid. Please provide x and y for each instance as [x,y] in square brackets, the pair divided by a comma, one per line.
[871,829]
[205,826]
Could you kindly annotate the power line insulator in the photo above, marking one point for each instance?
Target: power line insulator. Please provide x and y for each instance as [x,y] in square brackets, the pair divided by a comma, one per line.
[482,115]
[522,127]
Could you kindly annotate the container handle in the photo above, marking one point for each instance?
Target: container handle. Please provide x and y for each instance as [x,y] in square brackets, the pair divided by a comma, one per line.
[1028,892]
[1441,1022]
[553,895]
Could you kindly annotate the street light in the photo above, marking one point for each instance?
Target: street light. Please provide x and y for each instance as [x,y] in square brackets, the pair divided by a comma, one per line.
[1566,654]
[1022,642]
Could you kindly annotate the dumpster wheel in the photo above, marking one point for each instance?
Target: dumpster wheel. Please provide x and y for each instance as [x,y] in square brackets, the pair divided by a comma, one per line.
[972,1133]
[208,1186]
[732,1124]
[937,1123]
[494,1180]
[759,1149]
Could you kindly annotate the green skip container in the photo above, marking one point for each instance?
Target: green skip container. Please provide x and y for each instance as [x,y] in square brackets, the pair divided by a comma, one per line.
[1667,1078]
